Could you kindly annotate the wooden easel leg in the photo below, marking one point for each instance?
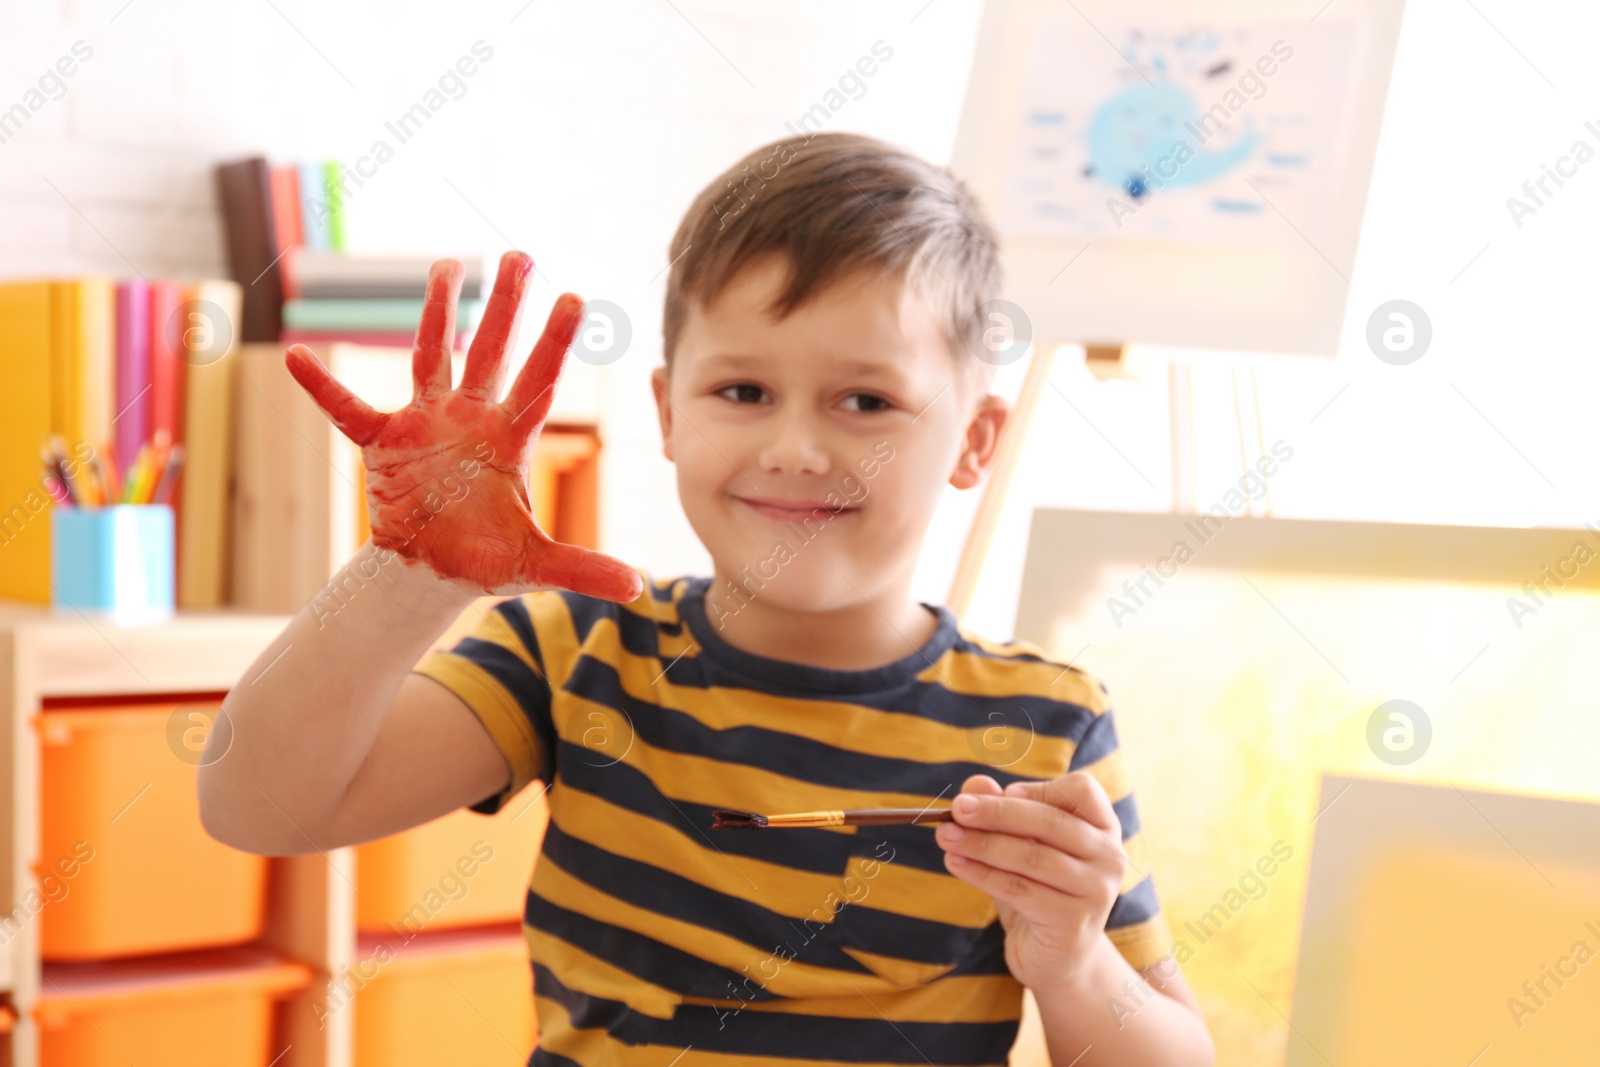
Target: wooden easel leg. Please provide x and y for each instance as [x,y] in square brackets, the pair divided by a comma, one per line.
[1012,435]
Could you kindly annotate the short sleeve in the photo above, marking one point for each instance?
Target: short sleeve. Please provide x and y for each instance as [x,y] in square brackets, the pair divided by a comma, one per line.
[498,672]
[1136,925]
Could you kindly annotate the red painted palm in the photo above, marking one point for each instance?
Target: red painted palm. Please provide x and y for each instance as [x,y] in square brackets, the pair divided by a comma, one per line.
[447,475]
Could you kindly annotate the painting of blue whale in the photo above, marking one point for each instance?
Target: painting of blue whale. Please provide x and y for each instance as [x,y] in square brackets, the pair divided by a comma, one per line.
[1151,135]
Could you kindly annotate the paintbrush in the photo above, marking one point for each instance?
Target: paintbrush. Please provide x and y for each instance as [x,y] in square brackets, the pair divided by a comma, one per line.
[724,819]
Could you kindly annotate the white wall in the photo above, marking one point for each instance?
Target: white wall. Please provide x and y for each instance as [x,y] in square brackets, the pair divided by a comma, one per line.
[584,137]
[582,140]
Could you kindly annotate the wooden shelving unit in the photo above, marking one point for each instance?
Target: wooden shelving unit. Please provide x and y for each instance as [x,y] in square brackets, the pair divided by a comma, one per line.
[46,656]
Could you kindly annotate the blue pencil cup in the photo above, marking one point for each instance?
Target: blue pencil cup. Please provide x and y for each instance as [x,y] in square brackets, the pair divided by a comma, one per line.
[115,559]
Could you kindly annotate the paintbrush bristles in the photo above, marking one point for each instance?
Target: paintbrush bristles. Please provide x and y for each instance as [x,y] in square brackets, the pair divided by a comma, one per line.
[725,819]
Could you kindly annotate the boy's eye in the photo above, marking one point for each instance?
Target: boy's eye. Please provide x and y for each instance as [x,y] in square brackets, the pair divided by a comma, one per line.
[873,402]
[744,393]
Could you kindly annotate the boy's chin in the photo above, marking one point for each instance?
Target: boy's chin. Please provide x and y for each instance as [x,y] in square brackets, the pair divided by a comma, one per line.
[801,586]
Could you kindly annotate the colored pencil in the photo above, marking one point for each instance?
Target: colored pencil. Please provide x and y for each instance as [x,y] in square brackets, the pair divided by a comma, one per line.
[169,476]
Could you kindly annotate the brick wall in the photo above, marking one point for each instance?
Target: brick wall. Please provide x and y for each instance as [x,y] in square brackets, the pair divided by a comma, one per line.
[581,139]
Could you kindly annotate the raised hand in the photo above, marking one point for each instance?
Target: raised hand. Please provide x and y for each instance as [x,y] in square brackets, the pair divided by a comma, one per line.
[447,475]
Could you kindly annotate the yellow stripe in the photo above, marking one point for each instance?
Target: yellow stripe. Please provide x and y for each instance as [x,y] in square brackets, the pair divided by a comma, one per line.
[920,894]
[1138,862]
[597,977]
[1143,944]
[1111,771]
[972,674]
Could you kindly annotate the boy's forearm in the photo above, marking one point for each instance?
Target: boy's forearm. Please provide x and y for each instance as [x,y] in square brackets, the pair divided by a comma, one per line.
[306,712]
[1083,1024]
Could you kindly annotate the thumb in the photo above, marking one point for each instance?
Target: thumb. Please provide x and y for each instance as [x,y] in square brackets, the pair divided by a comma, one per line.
[553,565]
[349,412]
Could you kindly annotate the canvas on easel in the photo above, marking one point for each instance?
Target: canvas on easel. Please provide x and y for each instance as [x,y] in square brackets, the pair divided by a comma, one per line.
[1171,174]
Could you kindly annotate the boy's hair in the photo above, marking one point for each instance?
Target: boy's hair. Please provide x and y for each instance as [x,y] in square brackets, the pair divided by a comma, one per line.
[832,204]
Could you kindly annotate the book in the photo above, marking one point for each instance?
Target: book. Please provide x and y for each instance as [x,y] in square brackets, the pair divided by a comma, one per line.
[310,273]
[286,222]
[166,363]
[315,211]
[82,359]
[131,423]
[330,172]
[204,488]
[244,190]
[26,413]
[318,339]
[369,315]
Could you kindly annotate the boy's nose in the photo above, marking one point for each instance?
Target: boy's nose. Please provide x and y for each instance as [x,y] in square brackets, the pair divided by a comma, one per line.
[795,446]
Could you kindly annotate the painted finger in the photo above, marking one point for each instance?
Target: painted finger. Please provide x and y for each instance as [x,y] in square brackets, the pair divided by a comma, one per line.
[436,332]
[485,372]
[532,392]
[349,412]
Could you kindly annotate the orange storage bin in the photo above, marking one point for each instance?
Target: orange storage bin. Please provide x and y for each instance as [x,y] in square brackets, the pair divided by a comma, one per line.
[456,996]
[124,863]
[462,869]
[203,1008]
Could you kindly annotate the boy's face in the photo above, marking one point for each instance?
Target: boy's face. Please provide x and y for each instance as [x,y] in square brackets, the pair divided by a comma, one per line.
[813,450]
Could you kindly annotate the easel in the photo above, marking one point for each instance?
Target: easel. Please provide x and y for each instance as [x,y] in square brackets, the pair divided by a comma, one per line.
[1104,361]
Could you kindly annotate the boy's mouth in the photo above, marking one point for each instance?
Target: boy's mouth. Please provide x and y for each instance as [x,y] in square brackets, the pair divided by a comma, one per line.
[780,510]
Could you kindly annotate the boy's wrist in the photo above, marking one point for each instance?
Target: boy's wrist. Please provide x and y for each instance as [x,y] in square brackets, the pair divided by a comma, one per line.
[1094,976]
[416,591]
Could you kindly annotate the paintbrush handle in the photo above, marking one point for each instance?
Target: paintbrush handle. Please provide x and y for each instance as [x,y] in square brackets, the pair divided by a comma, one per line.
[859,817]
[896,816]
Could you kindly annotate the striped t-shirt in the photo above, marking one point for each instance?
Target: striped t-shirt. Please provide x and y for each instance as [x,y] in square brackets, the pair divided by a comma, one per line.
[829,945]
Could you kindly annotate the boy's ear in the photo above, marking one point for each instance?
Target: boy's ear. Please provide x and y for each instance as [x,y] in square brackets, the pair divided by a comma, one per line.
[659,385]
[982,442]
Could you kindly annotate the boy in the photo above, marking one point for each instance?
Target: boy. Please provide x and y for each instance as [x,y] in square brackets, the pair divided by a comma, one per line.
[818,392]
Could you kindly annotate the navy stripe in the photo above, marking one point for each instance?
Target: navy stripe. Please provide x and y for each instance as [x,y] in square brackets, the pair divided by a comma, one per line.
[989,959]
[1127,814]
[963,645]
[1097,742]
[641,636]
[586,611]
[530,690]
[515,613]
[641,956]
[542,1058]
[1134,906]
[672,895]
[905,937]
[730,1031]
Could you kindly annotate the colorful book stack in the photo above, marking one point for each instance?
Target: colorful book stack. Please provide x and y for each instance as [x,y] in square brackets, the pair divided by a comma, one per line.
[103,375]
[374,300]
[285,232]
